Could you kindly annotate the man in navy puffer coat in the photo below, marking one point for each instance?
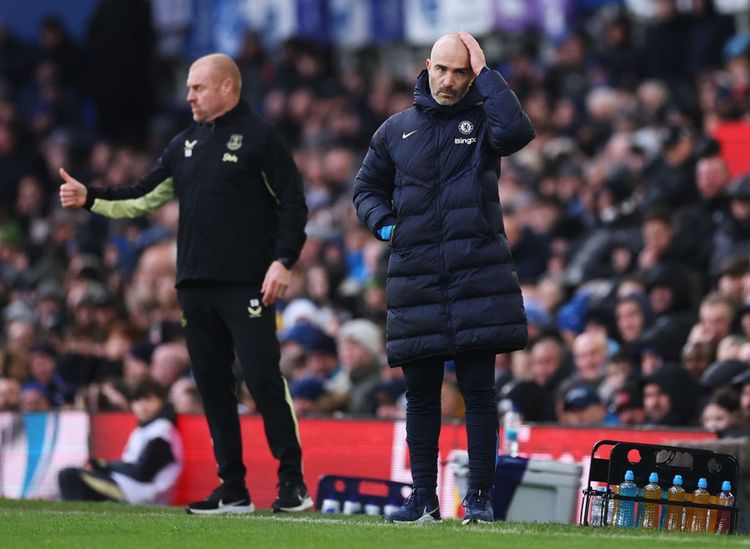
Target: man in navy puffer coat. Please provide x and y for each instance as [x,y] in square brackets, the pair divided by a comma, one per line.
[429,186]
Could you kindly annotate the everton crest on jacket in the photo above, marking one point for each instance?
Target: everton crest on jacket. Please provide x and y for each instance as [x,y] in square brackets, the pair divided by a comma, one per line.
[432,171]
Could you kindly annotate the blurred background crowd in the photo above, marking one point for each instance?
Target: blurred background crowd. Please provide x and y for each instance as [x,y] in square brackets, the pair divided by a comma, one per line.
[630,236]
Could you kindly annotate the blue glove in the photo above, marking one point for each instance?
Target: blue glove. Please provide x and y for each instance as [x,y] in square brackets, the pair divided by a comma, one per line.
[385,232]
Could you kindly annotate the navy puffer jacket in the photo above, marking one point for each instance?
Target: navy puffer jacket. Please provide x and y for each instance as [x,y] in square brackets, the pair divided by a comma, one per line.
[432,171]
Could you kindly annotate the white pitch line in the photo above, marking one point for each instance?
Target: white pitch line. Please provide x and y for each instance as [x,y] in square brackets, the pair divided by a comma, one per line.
[486,529]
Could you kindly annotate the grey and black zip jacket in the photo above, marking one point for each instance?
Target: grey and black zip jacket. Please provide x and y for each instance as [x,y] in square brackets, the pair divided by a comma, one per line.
[241,199]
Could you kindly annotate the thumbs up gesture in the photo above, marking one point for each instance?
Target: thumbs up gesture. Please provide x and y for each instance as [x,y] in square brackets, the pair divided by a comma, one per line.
[72,192]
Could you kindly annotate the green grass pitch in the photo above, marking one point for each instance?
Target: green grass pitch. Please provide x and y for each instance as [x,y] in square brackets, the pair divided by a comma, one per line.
[91,525]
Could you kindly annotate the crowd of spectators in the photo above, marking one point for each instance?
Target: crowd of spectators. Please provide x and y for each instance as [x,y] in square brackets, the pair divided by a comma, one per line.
[631,238]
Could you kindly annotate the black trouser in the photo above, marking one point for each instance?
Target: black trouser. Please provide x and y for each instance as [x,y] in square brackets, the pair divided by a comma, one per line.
[77,484]
[476,378]
[220,320]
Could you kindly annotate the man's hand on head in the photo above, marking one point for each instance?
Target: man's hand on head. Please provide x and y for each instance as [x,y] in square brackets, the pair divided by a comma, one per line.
[476,55]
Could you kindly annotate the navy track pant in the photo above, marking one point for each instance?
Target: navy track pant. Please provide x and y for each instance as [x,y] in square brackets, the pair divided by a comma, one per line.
[476,378]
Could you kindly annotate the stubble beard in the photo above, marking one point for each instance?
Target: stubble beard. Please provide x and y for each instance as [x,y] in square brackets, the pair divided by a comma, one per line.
[447,102]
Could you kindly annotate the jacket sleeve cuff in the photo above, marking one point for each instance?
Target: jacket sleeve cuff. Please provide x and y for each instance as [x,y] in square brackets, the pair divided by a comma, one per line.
[387,220]
[385,232]
[90,197]
[286,261]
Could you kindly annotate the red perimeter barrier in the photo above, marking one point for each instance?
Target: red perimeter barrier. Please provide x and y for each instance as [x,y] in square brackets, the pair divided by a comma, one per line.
[735,146]
[369,448]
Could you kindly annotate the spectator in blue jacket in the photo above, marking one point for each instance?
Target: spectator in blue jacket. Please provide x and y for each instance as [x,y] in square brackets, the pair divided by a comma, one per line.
[428,185]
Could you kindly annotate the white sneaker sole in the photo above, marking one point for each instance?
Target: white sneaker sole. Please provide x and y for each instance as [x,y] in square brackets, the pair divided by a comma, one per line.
[226,510]
[424,519]
[305,505]
[475,521]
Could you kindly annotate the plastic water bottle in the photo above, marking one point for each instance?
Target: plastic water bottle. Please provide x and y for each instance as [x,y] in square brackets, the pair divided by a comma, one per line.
[612,507]
[597,507]
[726,499]
[640,509]
[511,426]
[331,506]
[711,515]
[626,508]
[652,490]
[676,493]
[372,508]
[352,507]
[698,517]
[663,507]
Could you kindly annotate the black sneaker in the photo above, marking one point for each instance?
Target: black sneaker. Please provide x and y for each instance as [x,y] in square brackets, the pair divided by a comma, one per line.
[222,501]
[478,507]
[421,506]
[292,497]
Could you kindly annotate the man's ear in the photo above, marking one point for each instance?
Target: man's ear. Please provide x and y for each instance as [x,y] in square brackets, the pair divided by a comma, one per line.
[428,63]
[226,85]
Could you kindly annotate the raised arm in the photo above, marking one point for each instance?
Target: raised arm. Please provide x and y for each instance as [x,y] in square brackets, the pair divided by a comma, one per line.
[141,198]
[509,126]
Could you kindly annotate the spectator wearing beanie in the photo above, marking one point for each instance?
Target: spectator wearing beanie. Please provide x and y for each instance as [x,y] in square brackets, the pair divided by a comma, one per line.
[581,405]
[533,402]
[633,317]
[669,396]
[722,414]
[34,398]
[732,238]
[670,290]
[306,393]
[322,369]
[697,356]
[360,344]
[721,373]
[659,346]
[43,374]
[627,404]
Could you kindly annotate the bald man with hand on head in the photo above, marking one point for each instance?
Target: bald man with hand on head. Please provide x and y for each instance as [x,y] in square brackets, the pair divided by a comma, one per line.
[241,229]
[428,186]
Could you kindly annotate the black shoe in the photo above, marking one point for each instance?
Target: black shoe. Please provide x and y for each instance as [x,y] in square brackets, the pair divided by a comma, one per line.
[292,497]
[478,507]
[421,506]
[222,501]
